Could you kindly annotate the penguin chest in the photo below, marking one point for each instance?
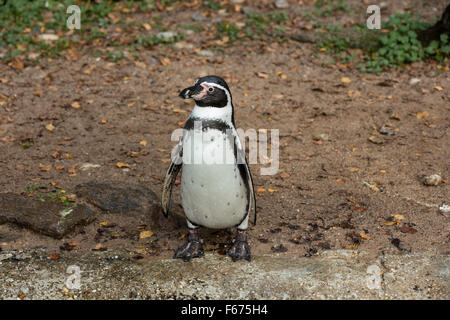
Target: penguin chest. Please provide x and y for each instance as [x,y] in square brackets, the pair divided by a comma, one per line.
[213,192]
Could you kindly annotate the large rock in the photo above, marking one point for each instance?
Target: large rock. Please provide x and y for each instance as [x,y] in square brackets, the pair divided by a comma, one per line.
[119,197]
[50,218]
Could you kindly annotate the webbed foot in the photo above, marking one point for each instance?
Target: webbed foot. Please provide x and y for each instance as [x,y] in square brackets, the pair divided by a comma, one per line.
[239,247]
[191,249]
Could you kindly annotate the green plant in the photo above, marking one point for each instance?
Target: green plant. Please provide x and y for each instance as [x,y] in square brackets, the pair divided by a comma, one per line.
[227,29]
[325,9]
[213,5]
[401,45]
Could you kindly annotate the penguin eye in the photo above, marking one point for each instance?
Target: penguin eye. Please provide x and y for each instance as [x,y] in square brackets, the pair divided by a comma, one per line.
[210,89]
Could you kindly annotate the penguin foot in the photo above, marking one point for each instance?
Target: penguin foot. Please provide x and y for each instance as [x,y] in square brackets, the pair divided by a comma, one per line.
[239,247]
[192,249]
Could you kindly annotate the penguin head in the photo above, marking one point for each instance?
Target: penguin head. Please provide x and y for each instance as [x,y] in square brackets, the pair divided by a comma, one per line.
[209,91]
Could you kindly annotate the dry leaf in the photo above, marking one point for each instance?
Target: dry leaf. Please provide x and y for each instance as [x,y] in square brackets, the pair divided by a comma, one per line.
[142,251]
[422,115]
[122,165]
[398,216]
[44,168]
[345,80]
[406,229]
[165,61]
[71,170]
[143,143]
[50,127]
[75,105]
[99,247]
[54,256]
[261,190]
[145,234]
[364,236]
[262,75]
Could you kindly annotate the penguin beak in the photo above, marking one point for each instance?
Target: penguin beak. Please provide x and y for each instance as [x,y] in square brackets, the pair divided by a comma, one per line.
[192,92]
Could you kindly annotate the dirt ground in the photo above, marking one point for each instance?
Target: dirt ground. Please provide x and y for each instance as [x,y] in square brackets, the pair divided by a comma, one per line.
[341,183]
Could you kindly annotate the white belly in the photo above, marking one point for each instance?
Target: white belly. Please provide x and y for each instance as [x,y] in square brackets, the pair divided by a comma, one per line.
[213,194]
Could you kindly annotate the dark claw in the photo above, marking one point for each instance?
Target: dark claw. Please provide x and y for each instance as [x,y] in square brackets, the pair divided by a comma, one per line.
[239,247]
[192,249]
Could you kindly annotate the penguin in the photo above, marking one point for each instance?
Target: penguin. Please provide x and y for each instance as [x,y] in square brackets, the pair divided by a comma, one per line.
[217,190]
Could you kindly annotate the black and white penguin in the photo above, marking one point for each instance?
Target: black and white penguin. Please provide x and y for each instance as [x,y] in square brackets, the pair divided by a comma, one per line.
[216,184]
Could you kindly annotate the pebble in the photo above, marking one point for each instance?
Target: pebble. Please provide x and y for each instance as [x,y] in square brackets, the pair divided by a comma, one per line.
[322,136]
[87,166]
[281,4]
[387,131]
[376,140]
[432,180]
[445,210]
[198,17]
[183,45]
[414,81]
[47,36]
[166,35]
[205,53]
[248,10]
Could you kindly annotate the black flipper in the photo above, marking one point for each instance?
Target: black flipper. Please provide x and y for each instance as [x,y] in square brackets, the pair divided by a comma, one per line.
[170,178]
[246,175]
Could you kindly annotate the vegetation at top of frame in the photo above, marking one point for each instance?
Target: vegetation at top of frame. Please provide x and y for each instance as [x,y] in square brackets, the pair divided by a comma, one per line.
[256,27]
[23,24]
[323,8]
[401,45]
[394,46]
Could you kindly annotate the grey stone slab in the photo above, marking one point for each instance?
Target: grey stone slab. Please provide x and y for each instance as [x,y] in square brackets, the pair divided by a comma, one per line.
[49,218]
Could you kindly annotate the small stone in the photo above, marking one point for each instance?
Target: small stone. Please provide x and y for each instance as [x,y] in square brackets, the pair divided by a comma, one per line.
[184,45]
[388,131]
[445,210]
[248,10]
[87,166]
[279,248]
[414,81]
[432,180]
[322,136]
[166,35]
[198,17]
[205,53]
[376,140]
[49,37]
[281,4]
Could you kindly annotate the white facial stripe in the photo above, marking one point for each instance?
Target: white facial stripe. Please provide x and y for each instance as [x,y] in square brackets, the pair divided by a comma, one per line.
[211,84]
